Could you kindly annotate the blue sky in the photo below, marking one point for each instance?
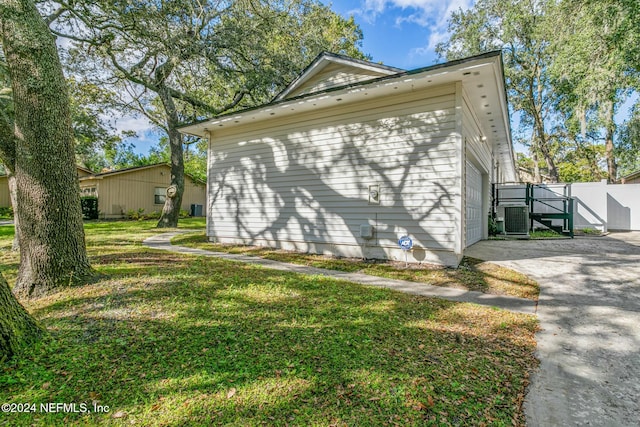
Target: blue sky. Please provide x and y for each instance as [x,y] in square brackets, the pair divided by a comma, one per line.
[401,33]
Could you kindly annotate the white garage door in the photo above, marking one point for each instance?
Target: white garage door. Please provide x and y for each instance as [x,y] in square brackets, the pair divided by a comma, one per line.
[474,205]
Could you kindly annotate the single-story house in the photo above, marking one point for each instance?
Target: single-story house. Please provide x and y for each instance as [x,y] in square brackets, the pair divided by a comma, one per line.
[353,155]
[141,187]
[5,199]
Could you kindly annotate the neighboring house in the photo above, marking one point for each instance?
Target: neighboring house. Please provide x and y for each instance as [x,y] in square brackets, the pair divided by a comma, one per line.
[143,187]
[5,200]
[353,155]
[632,178]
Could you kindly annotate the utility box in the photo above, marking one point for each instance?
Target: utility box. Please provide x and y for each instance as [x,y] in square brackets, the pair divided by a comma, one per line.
[366,231]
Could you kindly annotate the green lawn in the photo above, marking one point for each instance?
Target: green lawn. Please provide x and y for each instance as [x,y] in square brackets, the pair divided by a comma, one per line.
[171,340]
[472,274]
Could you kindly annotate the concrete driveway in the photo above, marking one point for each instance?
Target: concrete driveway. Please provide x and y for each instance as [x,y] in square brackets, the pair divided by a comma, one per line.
[589,312]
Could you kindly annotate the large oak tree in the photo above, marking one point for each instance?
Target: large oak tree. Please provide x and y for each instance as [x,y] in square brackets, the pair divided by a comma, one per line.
[17,327]
[517,27]
[180,61]
[39,149]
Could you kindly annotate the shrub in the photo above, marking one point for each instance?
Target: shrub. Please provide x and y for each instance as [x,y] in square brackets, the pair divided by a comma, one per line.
[6,212]
[89,207]
[136,215]
[493,227]
[139,215]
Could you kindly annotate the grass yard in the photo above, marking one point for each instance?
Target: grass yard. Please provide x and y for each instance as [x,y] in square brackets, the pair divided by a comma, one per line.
[171,340]
[473,274]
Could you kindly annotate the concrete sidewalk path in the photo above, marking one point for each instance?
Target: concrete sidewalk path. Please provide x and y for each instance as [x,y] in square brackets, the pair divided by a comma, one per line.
[589,312]
[163,242]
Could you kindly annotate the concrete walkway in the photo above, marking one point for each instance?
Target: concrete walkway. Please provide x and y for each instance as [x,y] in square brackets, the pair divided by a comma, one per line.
[589,311]
[163,242]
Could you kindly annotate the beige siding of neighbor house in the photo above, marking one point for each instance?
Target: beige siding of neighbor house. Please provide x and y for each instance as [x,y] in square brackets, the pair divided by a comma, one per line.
[5,201]
[305,184]
[633,178]
[120,193]
[334,75]
[83,172]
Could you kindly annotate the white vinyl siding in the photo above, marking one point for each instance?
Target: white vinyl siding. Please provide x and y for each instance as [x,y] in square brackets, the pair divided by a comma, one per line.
[334,75]
[305,180]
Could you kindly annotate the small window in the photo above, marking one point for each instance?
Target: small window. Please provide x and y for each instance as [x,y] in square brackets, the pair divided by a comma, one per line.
[160,195]
[88,191]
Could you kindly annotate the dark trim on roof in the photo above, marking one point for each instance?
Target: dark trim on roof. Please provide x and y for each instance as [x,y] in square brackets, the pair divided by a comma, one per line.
[135,168]
[434,67]
[85,169]
[632,175]
[124,170]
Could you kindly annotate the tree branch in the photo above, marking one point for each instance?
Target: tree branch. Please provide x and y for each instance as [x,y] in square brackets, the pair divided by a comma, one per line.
[55,15]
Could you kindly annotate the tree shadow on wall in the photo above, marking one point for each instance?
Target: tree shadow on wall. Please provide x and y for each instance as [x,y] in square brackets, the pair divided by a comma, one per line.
[311,186]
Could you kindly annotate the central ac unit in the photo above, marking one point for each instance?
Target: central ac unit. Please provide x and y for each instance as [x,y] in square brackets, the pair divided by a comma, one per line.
[516,218]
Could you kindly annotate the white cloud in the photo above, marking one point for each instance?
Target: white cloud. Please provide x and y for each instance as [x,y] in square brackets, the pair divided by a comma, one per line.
[426,13]
[139,125]
[433,15]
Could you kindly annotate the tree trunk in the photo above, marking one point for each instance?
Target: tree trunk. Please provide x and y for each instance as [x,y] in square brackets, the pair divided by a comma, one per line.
[17,327]
[537,178]
[609,147]
[13,194]
[52,248]
[551,165]
[538,123]
[173,202]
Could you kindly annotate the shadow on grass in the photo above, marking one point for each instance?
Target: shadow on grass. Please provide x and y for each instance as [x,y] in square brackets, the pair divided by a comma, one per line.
[472,274]
[194,341]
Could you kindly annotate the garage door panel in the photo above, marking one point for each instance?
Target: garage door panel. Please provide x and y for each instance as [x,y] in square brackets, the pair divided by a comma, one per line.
[473,214]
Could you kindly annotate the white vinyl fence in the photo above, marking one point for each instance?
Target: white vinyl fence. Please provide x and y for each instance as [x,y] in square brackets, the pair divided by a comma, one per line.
[606,206]
[597,205]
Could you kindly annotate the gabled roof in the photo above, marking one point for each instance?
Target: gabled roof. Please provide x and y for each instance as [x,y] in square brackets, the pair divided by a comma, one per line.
[83,169]
[107,174]
[632,175]
[482,78]
[126,170]
[355,69]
